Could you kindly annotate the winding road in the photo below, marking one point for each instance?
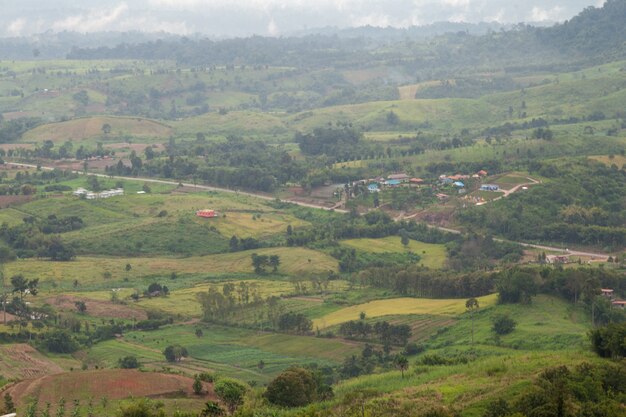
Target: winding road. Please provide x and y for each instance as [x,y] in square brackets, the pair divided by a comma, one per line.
[595,256]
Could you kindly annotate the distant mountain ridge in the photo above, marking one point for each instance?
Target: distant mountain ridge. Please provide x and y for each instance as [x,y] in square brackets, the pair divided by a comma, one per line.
[594,34]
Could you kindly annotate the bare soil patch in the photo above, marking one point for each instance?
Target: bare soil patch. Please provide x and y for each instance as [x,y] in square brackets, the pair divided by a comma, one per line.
[22,361]
[114,384]
[97,308]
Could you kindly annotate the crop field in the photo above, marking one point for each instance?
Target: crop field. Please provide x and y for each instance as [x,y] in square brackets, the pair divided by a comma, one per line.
[243,349]
[22,361]
[114,384]
[399,306]
[97,308]
[91,127]
[433,255]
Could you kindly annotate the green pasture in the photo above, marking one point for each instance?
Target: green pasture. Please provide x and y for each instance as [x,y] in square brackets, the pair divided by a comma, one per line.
[433,255]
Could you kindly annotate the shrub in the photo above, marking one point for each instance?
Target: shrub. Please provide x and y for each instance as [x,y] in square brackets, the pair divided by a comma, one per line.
[128,362]
[174,353]
[413,349]
[60,341]
[231,392]
[295,387]
[503,324]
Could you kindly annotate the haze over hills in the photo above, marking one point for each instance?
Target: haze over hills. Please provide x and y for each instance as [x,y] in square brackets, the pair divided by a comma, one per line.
[354,221]
[267,17]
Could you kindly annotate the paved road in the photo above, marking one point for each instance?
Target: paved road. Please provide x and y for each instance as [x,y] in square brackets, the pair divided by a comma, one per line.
[186,184]
[597,256]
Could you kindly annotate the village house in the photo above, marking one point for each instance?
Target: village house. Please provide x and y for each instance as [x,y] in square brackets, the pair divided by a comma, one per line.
[402,177]
[90,195]
[619,304]
[206,213]
[489,187]
[557,259]
[607,292]
[416,182]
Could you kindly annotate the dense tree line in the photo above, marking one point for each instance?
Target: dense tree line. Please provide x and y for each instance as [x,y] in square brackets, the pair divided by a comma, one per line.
[383,331]
[37,237]
[584,390]
[11,131]
[416,281]
[236,163]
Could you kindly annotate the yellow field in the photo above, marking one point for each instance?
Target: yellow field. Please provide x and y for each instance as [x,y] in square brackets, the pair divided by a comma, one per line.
[433,256]
[293,261]
[90,127]
[400,306]
[618,160]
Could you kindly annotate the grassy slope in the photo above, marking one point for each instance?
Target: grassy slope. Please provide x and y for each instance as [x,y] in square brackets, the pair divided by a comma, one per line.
[91,127]
[89,270]
[550,332]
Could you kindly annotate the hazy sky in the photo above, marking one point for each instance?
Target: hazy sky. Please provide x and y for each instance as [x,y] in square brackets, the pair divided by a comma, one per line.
[266,17]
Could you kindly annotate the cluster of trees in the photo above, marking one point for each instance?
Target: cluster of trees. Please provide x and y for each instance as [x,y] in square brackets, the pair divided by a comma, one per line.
[247,243]
[34,237]
[383,331]
[235,163]
[585,390]
[294,323]
[340,143]
[12,130]
[219,306]
[413,280]
[260,262]
[609,341]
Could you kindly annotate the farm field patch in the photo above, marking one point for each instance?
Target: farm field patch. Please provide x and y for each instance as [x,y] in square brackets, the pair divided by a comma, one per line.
[399,306]
[433,255]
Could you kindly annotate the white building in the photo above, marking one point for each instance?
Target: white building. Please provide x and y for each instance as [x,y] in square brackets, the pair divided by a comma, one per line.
[90,195]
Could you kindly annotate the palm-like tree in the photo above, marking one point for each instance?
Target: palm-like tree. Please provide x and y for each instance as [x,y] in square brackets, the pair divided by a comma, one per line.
[472,305]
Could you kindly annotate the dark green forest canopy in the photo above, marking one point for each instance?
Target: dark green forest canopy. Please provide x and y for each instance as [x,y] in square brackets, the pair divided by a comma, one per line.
[581,202]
